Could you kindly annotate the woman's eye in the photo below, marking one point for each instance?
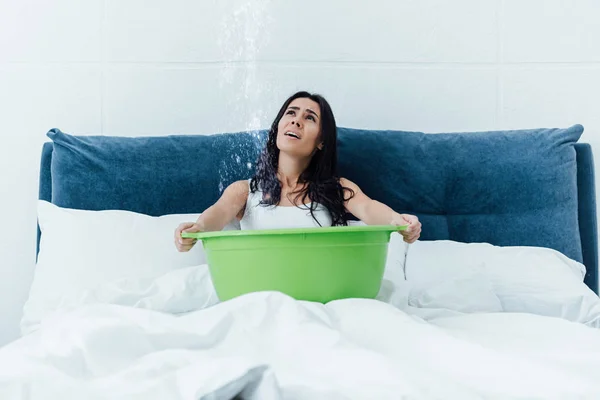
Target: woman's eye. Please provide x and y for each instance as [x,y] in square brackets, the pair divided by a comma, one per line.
[290,112]
[311,117]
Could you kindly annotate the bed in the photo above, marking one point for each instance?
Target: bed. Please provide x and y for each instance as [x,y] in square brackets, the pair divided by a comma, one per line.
[498,299]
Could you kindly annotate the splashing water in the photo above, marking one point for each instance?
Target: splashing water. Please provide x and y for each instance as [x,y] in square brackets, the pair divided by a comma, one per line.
[244,34]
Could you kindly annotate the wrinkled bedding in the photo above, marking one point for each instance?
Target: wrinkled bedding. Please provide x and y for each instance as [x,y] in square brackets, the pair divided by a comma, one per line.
[169,338]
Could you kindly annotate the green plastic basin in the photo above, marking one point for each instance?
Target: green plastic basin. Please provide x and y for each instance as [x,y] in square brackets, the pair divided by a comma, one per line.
[314,264]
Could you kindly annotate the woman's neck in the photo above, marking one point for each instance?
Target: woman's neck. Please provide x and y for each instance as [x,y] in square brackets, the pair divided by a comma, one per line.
[289,170]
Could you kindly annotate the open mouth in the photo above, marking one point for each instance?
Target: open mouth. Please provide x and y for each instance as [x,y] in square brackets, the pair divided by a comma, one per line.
[292,134]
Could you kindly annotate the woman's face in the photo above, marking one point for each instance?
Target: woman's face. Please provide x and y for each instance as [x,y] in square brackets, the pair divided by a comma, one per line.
[298,131]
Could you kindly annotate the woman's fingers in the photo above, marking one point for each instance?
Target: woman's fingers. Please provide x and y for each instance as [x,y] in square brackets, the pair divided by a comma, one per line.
[184,244]
[412,234]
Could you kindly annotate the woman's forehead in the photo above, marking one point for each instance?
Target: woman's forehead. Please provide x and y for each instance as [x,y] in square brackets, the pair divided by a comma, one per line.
[306,103]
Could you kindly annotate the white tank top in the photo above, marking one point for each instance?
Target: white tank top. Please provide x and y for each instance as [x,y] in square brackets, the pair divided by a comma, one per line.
[257,216]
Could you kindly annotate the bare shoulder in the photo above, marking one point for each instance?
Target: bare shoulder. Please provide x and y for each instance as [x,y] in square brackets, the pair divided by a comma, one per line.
[238,190]
[353,193]
[240,186]
[346,183]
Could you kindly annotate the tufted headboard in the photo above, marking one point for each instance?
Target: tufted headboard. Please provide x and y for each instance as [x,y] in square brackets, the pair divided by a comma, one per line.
[528,187]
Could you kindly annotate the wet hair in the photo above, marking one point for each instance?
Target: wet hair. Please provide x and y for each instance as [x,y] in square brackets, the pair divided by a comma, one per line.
[321,177]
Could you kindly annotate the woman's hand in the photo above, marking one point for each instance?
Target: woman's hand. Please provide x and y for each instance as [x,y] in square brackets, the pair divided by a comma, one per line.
[413,231]
[185,244]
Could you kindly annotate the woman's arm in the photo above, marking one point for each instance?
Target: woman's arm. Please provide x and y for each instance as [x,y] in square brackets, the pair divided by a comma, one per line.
[230,204]
[373,212]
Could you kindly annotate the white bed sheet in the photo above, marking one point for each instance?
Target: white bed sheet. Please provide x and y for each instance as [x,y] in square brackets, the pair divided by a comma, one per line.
[269,346]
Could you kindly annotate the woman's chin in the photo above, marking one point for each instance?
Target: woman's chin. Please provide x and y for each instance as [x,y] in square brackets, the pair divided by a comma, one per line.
[292,151]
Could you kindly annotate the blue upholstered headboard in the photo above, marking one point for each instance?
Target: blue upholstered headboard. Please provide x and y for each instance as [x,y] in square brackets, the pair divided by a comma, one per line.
[455,183]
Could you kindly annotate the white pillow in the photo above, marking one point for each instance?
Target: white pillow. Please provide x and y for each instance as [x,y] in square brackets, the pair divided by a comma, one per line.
[82,250]
[468,291]
[525,279]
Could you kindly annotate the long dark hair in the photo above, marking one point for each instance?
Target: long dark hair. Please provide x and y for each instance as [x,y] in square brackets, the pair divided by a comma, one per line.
[322,181]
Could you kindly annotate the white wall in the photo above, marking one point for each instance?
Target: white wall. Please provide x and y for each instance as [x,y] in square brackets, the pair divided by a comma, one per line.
[148,67]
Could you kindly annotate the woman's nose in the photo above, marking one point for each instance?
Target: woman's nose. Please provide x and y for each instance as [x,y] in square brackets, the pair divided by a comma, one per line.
[295,122]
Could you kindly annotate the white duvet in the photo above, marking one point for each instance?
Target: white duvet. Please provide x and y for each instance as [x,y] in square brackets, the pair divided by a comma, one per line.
[167,338]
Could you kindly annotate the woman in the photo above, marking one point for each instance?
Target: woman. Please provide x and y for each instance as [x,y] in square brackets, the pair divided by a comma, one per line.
[296,182]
